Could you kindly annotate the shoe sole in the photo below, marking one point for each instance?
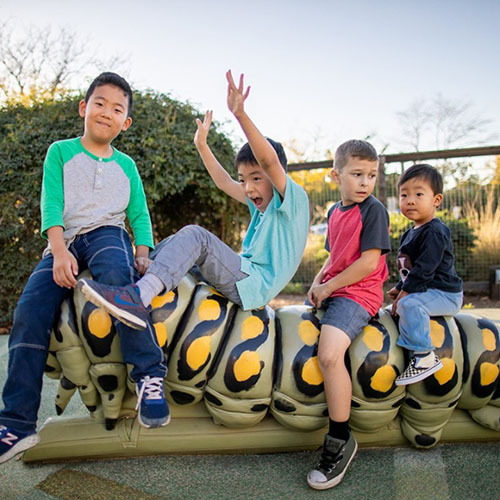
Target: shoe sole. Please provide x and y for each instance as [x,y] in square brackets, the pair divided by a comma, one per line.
[125,317]
[420,376]
[23,445]
[142,424]
[336,480]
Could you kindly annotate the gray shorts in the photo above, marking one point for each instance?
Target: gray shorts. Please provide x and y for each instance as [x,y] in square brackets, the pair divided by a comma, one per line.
[346,315]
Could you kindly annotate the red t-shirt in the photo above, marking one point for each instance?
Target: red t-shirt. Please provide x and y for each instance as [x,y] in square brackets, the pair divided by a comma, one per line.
[351,231]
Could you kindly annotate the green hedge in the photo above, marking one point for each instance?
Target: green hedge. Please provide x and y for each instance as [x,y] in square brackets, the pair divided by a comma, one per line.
[178,189]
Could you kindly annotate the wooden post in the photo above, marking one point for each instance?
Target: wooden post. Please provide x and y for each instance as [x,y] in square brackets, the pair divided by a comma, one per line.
[382,181]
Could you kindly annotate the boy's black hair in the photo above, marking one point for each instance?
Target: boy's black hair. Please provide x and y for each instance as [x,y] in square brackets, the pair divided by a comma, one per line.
[354,148]
[426,172]
[109,78]
[245,154]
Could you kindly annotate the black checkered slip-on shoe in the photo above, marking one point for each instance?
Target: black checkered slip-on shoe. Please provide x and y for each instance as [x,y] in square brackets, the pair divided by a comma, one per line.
[420,367]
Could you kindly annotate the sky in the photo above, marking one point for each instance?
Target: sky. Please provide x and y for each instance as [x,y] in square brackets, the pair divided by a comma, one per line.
[320,71]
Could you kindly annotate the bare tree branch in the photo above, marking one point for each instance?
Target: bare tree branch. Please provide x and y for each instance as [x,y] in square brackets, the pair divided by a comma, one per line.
[39,62]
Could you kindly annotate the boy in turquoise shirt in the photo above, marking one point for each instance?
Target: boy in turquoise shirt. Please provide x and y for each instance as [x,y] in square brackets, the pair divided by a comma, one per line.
[272,248]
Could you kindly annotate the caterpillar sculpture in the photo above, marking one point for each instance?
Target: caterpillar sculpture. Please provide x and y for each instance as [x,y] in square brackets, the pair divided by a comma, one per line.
[246,364]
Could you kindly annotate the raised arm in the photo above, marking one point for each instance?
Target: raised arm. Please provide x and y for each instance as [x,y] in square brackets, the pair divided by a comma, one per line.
[217,172]
[263,151]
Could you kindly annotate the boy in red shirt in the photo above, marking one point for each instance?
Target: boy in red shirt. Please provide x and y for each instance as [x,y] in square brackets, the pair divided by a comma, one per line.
[349,288]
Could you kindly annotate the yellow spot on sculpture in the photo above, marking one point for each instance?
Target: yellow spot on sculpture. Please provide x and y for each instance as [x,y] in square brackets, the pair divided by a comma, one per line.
[311,372]
[99,323]
[161,300]
[446,373]
[489,373]
[247,365]
[209,310]
[437,334]
[373,338]
[161,333]
[251,327]
[489,340]
[198,352]
[308,332]
[383,378]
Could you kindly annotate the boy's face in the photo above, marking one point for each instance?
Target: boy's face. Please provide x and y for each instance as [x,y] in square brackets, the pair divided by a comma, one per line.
[418,201]
[105,114]
[356,180]
[255,184]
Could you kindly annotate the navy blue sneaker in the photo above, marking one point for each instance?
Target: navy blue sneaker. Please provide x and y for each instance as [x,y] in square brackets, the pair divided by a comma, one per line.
[13,442]
[151,403]
[122,302]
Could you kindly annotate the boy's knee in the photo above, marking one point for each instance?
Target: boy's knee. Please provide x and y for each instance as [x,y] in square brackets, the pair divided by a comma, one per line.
[409,305]
[405,305]
[330,359]
[193,230]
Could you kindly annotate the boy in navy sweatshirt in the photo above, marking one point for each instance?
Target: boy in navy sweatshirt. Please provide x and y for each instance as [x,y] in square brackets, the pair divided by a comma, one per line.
[429,284]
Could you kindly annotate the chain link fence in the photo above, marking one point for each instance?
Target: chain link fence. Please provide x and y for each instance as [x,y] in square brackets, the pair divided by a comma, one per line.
[471,208]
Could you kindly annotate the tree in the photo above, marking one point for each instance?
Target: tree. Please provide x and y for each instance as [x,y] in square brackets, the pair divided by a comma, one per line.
[39,63]
[442,123]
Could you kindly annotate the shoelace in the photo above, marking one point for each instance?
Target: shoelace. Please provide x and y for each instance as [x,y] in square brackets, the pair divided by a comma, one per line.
[328,460]
[153,387]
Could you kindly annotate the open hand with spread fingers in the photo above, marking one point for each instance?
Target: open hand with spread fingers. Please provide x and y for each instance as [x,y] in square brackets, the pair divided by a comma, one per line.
[201,134]
[236,95]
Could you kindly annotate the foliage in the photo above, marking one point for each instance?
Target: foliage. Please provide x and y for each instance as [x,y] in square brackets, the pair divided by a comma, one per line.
[484,218]
[178,189]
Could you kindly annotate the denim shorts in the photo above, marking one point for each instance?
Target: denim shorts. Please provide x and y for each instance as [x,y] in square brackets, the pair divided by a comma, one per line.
[346,315]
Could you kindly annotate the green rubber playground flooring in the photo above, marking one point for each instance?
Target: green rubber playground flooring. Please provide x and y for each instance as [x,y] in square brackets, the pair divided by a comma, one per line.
[449,471]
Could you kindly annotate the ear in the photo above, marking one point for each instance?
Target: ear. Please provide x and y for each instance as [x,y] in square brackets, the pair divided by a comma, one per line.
[334,174]
[438,198]
[127,123]
[82,108]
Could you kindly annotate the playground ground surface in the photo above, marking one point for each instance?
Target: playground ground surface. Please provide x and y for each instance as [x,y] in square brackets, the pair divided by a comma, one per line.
[449,471]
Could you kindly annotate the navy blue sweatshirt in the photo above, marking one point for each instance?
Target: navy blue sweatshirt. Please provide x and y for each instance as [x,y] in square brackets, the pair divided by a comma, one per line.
[426,260]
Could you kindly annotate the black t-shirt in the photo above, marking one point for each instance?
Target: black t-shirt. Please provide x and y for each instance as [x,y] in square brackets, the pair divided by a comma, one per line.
[426,260]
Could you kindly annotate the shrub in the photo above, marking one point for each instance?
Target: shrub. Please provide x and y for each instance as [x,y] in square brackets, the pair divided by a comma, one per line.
[178,189]
[484,218]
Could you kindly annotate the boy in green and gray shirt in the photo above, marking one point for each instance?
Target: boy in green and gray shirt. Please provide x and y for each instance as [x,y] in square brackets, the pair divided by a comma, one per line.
[88,189]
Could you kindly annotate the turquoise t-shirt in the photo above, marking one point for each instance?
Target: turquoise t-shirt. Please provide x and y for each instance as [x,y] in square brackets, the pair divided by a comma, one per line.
[273,246]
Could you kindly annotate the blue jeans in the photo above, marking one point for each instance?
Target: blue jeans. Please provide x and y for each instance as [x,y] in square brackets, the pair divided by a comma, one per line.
[107,253]
[414,312]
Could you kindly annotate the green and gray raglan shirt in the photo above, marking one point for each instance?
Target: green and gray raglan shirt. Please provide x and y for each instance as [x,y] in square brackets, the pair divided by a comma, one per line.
[82,192]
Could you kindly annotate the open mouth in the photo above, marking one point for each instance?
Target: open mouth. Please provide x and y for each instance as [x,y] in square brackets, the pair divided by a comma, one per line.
[258,202]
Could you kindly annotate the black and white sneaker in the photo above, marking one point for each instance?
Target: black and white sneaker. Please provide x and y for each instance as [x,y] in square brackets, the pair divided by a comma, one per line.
[335,459]
[420,367]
